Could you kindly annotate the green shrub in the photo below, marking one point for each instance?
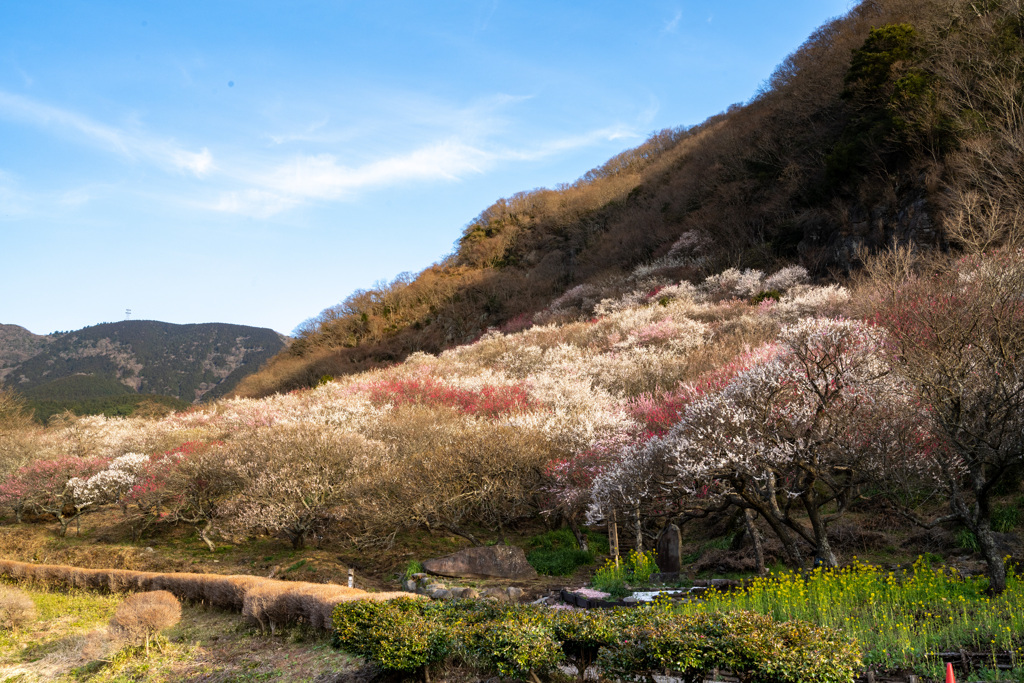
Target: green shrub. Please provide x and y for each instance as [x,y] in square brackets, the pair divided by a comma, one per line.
[1005,518]
[524,641]
[773,294]
[395,634]
[754,646]
[517,646]
[636,570]
[557,553]
[583,633]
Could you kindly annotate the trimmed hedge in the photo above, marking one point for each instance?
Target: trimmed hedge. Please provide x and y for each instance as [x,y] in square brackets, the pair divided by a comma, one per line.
[268,602]
[525,641]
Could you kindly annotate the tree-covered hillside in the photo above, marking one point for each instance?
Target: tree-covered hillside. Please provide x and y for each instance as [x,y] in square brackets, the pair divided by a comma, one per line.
[188,362]
[899,120]
[16,345]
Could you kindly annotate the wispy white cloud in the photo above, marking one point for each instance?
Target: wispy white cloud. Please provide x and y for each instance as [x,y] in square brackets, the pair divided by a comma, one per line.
[17,201]
[265,183]
[312,132]
[559,145]
[163,152]
[322,178]
[673,23]
[198,163]
[254,203]
[486,14]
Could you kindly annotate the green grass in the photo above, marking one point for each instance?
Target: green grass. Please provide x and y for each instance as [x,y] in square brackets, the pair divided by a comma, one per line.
[635,570]
[1006,518]
[557,553]
[69,643]
[413,567]
[722,543]
[901,621]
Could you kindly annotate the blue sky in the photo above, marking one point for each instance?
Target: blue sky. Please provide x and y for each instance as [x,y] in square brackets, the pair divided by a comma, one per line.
[254,162]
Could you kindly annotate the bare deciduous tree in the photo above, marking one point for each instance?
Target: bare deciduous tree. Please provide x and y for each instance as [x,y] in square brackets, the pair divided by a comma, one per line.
[295,477]
[959,333]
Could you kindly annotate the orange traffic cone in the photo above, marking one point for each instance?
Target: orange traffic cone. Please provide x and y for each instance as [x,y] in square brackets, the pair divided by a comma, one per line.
[950,678]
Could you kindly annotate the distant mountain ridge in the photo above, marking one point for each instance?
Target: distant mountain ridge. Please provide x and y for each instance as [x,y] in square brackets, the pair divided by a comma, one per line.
[18,345]
[192,362]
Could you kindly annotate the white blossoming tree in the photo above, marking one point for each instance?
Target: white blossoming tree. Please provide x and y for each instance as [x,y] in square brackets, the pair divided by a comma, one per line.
[112,484]
[793,435]
[294,478]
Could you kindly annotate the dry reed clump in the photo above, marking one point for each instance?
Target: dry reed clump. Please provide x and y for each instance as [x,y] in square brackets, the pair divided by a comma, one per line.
[277,603]
[270,603]
[144,615]
[16,608]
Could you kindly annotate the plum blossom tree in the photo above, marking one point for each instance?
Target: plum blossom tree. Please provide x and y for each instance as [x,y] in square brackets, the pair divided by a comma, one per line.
[53,486]
[633,471]
[787,437]
[294,478]
[569,482]
[113,483]
[959,336]
[191,483]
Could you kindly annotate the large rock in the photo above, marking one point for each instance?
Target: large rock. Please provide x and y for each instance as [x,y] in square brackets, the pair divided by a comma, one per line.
[490,562]
[668,550]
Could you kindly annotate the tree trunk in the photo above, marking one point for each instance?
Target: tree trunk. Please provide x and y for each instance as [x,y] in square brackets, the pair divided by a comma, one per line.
[465,534]
[755,537]
[204,534]
[581,536]
[822,548]
[990,551]
[638,535]
[777,524]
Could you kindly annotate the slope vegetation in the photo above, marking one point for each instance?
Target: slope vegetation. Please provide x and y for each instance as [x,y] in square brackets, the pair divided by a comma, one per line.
[187,362]
[896,121]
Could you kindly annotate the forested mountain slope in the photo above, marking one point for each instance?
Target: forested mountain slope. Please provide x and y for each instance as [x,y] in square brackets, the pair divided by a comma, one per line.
[900,120]
[16,345]
[189,362]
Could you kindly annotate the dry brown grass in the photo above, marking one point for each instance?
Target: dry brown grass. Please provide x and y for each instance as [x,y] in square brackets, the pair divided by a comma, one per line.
[144,615]
[269,602]
[16,608]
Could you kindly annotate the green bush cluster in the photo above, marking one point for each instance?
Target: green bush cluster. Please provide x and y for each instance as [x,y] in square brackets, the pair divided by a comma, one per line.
[557,553]
[773,294]
[758,648]
[528,641]
[1005,518]
[635,570]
